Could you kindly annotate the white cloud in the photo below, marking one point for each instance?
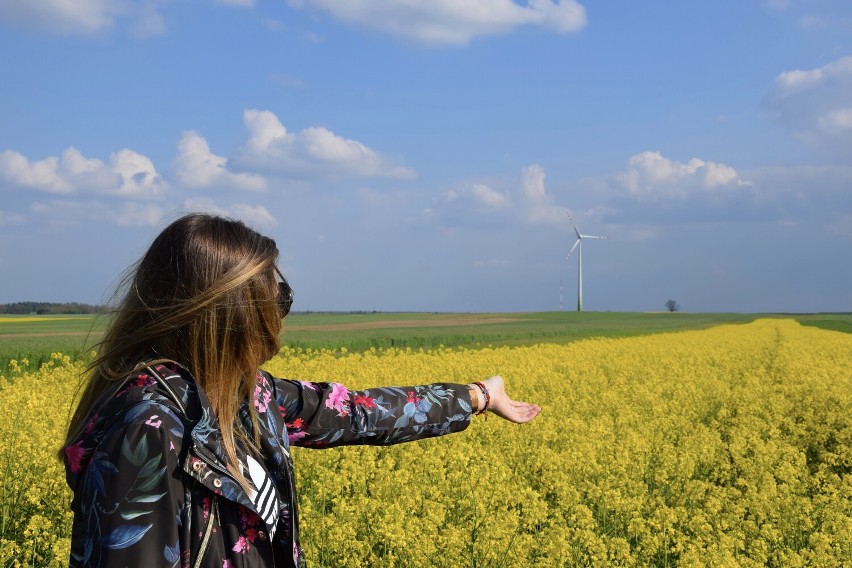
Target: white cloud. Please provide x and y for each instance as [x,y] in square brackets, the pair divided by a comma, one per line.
[477,197]
[532,183]
[148,20]
[128,174]
[68,213]
[137,175]
[527,202]
[82,17]
[816,103]
[650,174]
[255,215]
[537,202]
[196,167]
[133,214]
[16,169]
[487,197]
[836,121]
[8,219]
[60,16]
[790,82]
[312,151]
[452,22]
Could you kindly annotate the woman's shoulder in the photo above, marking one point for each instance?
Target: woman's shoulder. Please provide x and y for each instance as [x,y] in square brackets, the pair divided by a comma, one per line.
[150,404]
[163,384]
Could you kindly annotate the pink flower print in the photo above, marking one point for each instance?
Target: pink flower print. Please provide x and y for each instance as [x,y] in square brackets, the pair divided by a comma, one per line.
[294,430]
[262,397]
[153,422]
[74,454]
[242,545]
[310,385]
[248,521]
[205,507]
[141,380]
[227,564]
[91,425]
[338,399]
[295,436]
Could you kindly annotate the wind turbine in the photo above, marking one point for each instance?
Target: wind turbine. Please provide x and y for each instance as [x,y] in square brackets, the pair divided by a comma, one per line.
[579,245]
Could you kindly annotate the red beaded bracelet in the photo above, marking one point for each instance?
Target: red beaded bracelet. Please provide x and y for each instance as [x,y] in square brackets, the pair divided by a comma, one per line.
[487,396]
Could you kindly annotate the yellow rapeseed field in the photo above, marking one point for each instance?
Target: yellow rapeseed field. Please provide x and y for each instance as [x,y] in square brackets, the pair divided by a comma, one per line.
[725,447]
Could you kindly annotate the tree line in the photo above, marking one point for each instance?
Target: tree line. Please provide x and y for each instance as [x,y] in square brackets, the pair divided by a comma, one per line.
[44,308]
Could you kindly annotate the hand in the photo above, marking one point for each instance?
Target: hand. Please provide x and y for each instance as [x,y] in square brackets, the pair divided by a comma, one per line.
[505,407]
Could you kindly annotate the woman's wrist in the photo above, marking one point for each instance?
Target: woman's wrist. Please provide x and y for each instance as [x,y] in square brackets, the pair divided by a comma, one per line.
[474,398]
[480,398]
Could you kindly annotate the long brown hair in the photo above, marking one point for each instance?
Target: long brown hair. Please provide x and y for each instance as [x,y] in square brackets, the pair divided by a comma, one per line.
[204,295]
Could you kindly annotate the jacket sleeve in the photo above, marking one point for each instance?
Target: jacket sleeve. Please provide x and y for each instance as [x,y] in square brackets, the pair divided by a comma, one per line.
[328,414]
[129,497]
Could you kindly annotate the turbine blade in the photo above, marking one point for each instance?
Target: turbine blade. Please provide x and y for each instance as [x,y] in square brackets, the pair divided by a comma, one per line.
[592,237]
[579,236]
[572,248]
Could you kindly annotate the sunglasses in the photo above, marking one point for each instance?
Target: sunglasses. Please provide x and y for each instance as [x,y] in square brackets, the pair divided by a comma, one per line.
[285,296]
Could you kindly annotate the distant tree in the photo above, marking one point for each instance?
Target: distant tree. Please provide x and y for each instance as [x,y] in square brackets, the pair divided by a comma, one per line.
[50,308]
[672,306]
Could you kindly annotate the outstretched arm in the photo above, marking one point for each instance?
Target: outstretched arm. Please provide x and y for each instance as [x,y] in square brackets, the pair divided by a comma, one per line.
[328,414]
[490,395]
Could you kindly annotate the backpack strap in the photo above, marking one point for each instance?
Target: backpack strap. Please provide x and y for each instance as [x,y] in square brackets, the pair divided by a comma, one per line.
[165,384]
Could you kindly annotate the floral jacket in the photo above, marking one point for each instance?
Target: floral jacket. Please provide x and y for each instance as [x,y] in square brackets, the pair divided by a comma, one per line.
[150,478]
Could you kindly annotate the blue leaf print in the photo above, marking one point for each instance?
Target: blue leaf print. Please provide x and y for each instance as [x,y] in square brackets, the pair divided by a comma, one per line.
[205,427]
[401,422]
[465,406]
[423,407]
[171,553]
[271,422]
[125,535]
[87,549]
[135,456]
[150,466]
[93,479]
[128,515]
[147,498]
[153,480]
[382,406]
[135,412]
[409,409]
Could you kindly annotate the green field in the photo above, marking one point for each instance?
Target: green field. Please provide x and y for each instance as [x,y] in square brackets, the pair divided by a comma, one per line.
[34,338]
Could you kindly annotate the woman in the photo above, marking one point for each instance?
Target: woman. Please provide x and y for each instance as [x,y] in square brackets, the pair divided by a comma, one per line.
[178,453]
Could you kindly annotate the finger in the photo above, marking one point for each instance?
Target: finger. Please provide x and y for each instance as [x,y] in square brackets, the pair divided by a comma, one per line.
[521,412]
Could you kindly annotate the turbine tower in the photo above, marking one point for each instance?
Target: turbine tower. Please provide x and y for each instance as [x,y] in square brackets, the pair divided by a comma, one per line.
[579,246]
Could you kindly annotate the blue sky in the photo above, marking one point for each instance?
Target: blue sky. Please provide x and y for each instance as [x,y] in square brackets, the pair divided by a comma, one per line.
[427,155]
